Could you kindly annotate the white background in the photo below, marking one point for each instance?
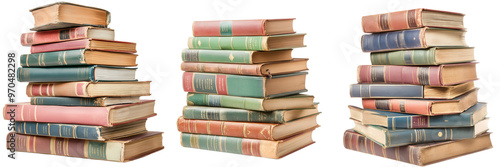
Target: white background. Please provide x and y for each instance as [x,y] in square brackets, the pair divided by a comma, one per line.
[161,29]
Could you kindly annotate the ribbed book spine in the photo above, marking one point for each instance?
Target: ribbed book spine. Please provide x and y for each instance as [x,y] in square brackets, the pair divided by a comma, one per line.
[397,40]
[414,136]
[226,128]
[217,56]
[224,68]
[234,85]
[417,75]
[55,74]
[59,58]
[58,130]
[200,99]
[67,101]
[421,107]
[232,114]
[405,57]
[50,36]
[73,89]
[255,43]
[400,20]
[229,28]
[60,46]
[386,91]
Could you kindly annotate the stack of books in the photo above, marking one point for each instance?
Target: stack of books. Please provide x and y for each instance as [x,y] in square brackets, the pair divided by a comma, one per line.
[84,95]
[419,100]
[244,89]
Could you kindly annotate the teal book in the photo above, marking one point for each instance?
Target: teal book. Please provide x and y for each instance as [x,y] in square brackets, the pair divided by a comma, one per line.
[77,57]
[393,138]
[92,73]
[431,56]
[80,101]
[255,43]
[394,121]
[235,56]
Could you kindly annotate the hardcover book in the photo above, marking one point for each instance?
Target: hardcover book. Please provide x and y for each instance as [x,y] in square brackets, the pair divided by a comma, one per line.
[90,44]
[250,130]
[50,36]
[431,56]
[79,101]
[393,121]
[428,107]
[121,150]
[63,14]
[235,56]
[89,89]
[85,132]
[248,86]
[100,116]
[253,147]
[260,27]
[249,103]
[240,115]
[376,91]
[254,43]
[413,39]
[393,138]
[410,19]
[92,73]
[77,58]
[262,69]
[418,154]
[441,75]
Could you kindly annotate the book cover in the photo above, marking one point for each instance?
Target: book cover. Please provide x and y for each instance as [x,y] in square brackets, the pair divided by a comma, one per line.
[234,27]
[253,43]
[429,56]
[90,44]
[58,35]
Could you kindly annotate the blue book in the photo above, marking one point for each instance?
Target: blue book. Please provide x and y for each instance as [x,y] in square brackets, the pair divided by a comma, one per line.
[92,73]
[409,91]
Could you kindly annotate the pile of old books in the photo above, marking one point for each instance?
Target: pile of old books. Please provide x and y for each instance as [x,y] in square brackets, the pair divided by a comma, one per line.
[244,89]
[419,99]
[84,95]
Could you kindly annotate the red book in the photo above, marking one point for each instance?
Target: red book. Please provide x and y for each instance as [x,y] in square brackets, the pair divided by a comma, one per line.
[262,27]
[90,44]
[101,116]
[50,36]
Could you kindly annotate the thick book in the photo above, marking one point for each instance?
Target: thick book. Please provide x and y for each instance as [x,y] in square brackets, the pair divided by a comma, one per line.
[63,14]
[241,85]
[90,44]
[85,132]
[92,73]
[249,103]
[401,137]
[428,107]
[418,154]
[100,116]
[244,146]
[410,19]
[262,69]
[413,39]
[81,101]
[259,27]
[89,89]
[77,57]
[121,150]
[393,121]
[377,91]
[255,43]
[235,56]
[50,36]
[441,75]
[250,130]
[241,115]
[431,56]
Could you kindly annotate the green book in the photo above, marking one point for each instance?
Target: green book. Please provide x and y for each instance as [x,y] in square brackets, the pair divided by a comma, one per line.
[77,58]
[235,56]
[75,73]
[256,43]
[79,101]
[431,56]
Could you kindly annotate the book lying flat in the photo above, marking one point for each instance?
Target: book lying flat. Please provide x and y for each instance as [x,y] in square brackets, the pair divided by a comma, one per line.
[243,27]
[89,89]
[90,44]
[418,154]
[77,57]
[235,56]
[431,56]
[255,43]
[92,73]
[81,101]
[381,91]
[121,150]
[262,69]
[58,35]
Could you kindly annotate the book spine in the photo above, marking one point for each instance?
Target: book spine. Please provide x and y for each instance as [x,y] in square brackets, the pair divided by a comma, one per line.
[217,56]
[67,101]
[71,89]
[357,142]
[425,75]
[229,28]
[254,43]
[232,114]
[421,107]
[415,136]
[400,20]
[55,74]
[68,147]
[200,99]
[58,130]
[58,114]
[224,84]
[222,128]
[59,58]
[397,40]
[422,121]
[405,57]
[254,147]
[60,46]
[40,37]
[224,68]
[386,91]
